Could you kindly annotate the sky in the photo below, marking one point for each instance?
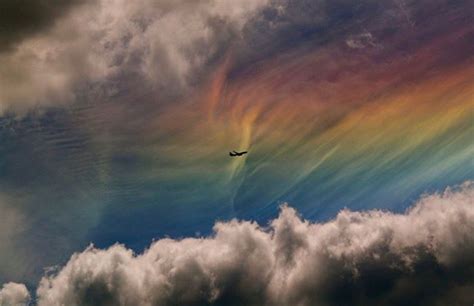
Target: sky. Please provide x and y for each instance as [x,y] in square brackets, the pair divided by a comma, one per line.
[116,119]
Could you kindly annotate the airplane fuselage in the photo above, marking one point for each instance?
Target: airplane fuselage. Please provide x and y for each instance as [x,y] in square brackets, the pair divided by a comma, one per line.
[234,153]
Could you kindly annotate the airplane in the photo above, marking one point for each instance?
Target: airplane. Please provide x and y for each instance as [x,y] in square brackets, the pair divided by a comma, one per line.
[234,153]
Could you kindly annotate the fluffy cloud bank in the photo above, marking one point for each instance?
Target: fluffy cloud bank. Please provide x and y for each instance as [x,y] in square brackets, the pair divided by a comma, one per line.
[422,257]
[101,43]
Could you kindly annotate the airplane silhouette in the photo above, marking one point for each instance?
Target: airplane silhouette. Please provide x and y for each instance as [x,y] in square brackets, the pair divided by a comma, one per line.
[234,153]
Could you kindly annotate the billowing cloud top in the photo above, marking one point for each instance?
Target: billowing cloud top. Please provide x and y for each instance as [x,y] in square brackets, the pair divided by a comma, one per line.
[423,257]
[13,294]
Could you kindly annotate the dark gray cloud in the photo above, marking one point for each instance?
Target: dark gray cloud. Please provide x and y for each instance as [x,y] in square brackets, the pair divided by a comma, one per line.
[423,257]
[22,18]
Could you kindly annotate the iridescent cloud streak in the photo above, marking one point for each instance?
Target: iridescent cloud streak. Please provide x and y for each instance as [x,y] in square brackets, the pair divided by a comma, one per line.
[327,127]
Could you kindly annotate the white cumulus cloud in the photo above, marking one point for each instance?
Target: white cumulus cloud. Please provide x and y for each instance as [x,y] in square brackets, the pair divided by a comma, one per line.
[13,294]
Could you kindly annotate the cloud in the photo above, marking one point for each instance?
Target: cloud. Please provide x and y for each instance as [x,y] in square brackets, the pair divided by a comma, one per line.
[20,19]
[13,294]
[98,44]
[97,49]
[361,41]
[422,257]
[12,228]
